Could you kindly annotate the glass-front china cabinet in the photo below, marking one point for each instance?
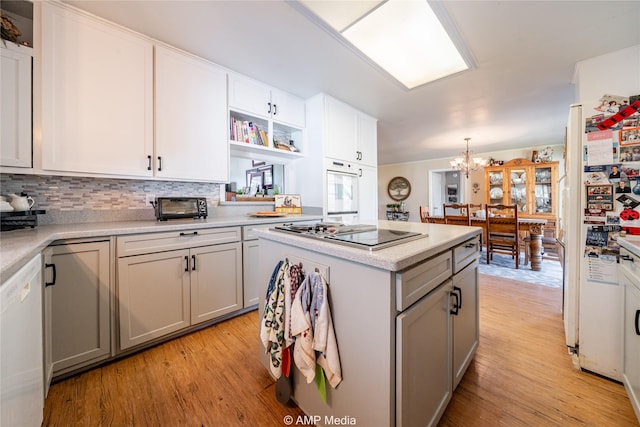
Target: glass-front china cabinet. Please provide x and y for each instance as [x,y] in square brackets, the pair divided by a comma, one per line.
[532,186]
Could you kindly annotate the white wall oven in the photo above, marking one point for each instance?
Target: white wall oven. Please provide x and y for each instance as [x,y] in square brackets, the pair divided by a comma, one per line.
[342,192]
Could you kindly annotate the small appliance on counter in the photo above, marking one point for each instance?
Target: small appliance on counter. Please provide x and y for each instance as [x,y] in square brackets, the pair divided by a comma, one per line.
[18,213]
[180,208]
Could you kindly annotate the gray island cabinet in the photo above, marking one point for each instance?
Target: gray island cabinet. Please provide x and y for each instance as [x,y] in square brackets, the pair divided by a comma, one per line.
[405,319]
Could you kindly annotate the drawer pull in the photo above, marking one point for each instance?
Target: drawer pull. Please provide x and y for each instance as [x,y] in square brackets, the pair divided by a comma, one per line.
[195,233]
[470,245]
[53,273]
[456,306]
[459,292]
[626,258]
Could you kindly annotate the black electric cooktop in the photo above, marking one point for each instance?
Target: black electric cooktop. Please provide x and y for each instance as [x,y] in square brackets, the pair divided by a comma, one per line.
[359,236]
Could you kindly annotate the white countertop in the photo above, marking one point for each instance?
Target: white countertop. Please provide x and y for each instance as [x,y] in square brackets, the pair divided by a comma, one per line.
[631,243]
[395,258]
[19,246]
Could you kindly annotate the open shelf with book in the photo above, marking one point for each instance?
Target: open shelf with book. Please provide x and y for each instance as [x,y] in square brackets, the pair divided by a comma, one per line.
[259,138]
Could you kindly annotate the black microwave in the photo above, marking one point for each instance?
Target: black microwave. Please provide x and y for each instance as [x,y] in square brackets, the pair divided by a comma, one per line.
[180,207]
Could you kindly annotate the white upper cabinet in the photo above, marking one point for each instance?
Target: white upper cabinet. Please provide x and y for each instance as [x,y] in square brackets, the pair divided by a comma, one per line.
[191,111]
[367,151]
[351,134]
[97,96]
[287,108]
[341,129]
[15,98]
[261,100]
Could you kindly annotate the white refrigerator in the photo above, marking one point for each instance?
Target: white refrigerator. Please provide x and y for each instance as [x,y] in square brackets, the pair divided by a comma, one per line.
[595,207]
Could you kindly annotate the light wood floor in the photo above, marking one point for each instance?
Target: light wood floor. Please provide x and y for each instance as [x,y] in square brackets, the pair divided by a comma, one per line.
[521,376]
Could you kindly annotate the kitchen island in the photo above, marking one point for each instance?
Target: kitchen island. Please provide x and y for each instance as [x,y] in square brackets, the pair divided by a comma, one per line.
[405,320]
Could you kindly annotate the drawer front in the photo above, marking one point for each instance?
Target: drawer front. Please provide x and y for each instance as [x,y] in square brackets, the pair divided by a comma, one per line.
[466,253]
[138,244]
[418,281]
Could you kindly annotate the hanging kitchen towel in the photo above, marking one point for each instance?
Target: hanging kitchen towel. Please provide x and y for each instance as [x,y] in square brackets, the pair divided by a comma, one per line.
[303,354]
[324,337]
[321,384]
[273,322]
[292,279]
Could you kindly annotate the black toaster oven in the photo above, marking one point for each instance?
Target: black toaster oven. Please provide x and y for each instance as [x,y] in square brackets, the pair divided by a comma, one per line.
[180,207]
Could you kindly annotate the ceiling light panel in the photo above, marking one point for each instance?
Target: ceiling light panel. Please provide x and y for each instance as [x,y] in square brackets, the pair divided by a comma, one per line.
[403,37]
[340,14]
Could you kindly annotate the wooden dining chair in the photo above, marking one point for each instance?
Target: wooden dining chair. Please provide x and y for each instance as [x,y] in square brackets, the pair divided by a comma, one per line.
[503,231]
[424,213]
[457,214]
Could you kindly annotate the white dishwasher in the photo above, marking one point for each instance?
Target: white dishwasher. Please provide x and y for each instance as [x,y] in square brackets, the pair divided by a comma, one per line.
[21,367]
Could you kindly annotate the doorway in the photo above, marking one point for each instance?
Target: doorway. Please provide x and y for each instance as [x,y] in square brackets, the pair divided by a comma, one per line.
[445,186]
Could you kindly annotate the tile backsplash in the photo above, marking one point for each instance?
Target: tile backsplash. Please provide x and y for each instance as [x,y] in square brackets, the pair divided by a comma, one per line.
[84,199]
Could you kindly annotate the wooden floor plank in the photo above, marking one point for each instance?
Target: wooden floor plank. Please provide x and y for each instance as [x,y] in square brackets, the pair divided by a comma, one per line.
[521,376]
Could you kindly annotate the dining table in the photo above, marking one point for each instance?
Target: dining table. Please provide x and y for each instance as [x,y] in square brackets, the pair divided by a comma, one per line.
[533,226]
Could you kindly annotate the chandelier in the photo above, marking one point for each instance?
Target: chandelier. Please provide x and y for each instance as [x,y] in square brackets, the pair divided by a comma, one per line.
[467,162]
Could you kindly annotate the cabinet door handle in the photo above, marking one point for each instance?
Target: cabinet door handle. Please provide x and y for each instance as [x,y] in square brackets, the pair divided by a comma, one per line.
[159,163]
[637,322]
[149,166]
[275,109]
[186,263]
[454,309]
[360,172]
[193,257]
[53,274]
[269,109]
[459,292]
[195,233]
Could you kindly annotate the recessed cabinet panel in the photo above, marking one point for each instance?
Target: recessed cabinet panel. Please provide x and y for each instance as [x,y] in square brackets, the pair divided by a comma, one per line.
[367,140]
[249,95]
[78,304]
[153,293]
[191,126]
[466,333]
[216,281]
[97,97]
[287,108]
[342,130]
[15,107]
[631,355]
[423,350]
[250,259]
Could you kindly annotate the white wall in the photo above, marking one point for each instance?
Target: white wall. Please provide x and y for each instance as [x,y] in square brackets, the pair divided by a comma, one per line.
[616,73]
[418,175]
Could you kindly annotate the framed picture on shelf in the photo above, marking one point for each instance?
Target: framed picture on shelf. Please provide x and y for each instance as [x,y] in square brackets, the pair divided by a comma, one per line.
[288,203]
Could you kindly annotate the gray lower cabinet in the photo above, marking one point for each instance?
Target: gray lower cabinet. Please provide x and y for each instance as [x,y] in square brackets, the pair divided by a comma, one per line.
[171,281]
[153,296]
[423,365]
[631,337]
[77,306]
[465,320]
[250,257]
[437,336]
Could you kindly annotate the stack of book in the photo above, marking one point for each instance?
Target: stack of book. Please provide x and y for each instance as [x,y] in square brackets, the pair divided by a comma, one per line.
[249,132]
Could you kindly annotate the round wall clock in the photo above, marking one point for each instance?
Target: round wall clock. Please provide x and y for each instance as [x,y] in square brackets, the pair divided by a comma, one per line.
[399,188]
